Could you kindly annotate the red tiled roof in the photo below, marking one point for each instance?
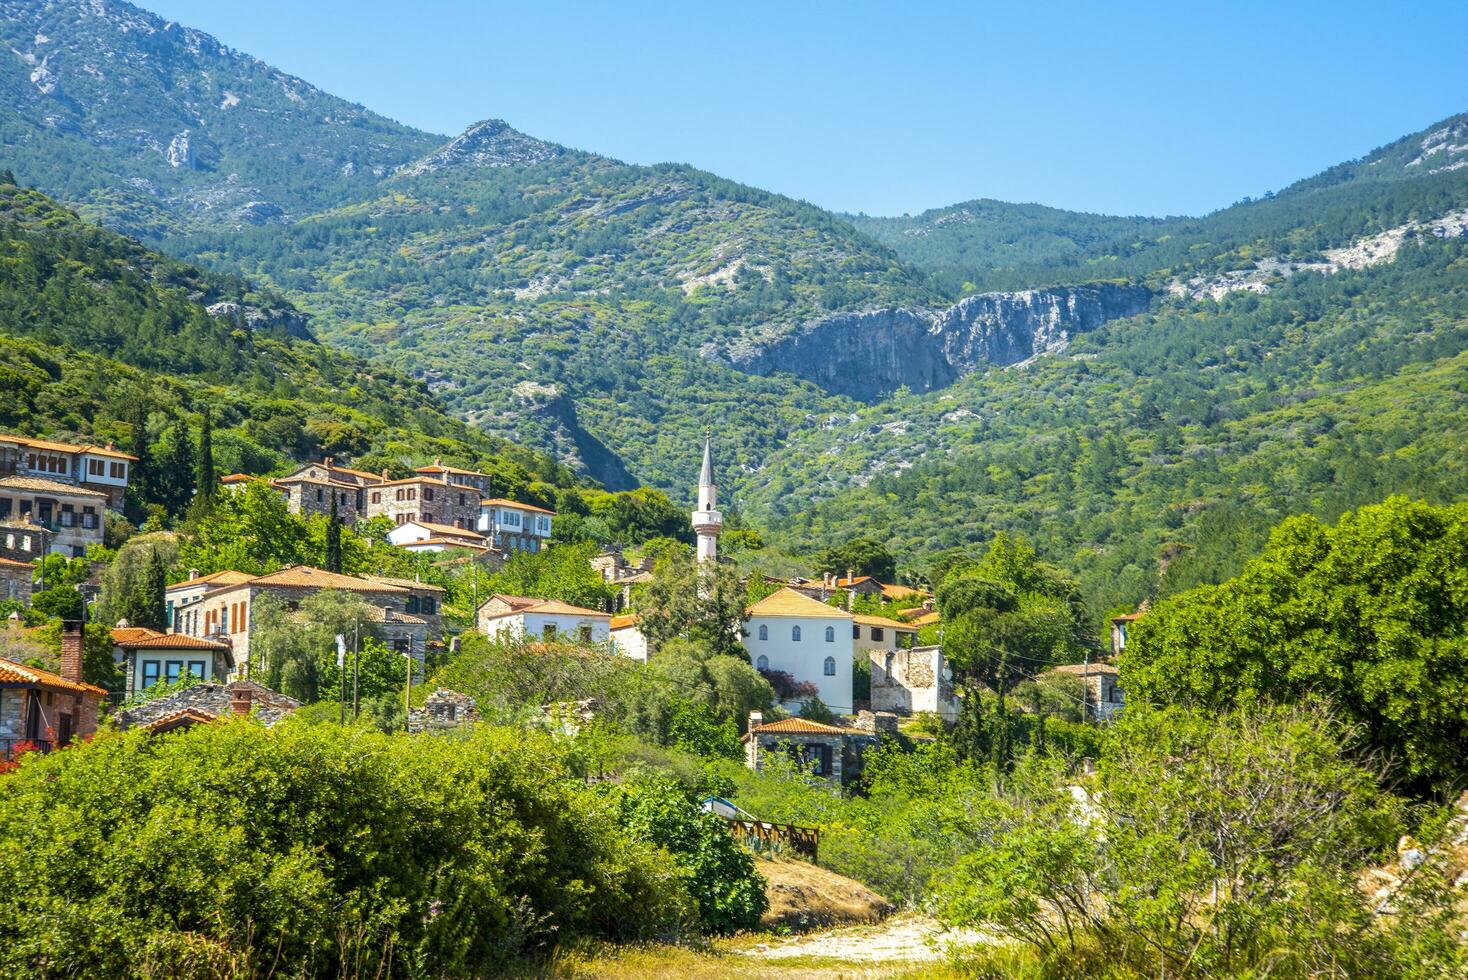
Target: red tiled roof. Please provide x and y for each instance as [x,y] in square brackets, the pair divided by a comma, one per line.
[622,622]
[7,562]
[799,726]
[168,641]
[515,504]
[186,716]
[789,602]
[306,577]
[125,634]
[224,577]
[14,673]
[405,583]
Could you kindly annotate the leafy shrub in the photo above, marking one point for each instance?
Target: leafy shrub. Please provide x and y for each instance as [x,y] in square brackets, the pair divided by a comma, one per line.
[313,850]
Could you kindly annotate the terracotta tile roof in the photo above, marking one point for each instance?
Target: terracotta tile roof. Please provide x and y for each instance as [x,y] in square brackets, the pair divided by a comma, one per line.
[11,563]
[126,634]
[445,542]
[15,673]
[47,486]
[168,641]
[224,577]
[842,583]
[406,583]
[1128,618]
[282,481]
[306,577]
[515,601]
[894,592]
[64,447]
[446,530]
[421,478]
[441,468]
[885,622]
[548,607]
[514,504]
[622,622]
[374,477]
[373,614]
[926,619]
[789,602]
[239,478]
[799,726]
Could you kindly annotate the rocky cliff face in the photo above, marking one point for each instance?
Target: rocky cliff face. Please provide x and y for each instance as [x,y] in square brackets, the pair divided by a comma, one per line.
[491,143]
[869,355]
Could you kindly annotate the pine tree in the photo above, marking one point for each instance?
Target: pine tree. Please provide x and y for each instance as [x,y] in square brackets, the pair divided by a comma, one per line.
[204,475]
[332,560]
[146,606]
[141,487]
[179,473]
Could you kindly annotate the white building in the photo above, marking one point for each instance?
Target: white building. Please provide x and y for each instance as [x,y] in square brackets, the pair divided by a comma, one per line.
[513,526]
[628,638]
[419,535]
[806,639]
[520,617]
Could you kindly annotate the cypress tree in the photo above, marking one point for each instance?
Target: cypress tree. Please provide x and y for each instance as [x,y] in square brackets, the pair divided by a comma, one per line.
[332,560]
[147,605]
[204,484]
[141,486]
[180,470]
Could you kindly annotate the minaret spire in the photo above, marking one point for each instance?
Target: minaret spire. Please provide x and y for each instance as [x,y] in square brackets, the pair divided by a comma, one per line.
[707,521]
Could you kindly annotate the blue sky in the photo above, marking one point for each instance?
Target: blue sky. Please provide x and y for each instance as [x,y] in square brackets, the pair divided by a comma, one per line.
[888,108]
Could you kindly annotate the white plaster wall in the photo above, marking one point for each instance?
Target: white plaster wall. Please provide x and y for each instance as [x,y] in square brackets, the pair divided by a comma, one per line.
[805,659]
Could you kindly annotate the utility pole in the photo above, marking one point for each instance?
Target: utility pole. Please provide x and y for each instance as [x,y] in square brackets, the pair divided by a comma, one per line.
[408,691]
[356,666]
[341,678]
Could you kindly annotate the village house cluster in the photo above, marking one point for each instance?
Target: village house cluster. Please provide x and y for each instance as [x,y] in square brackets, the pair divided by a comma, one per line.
[805,636]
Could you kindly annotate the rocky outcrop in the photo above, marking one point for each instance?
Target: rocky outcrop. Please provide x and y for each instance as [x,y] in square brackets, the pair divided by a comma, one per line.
[180,153]
[291,323]
[869,355]
[487,144]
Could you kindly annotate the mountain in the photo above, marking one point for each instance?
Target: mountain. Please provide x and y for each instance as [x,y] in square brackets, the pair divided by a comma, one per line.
[153,127]
[1137,395]
[92,325]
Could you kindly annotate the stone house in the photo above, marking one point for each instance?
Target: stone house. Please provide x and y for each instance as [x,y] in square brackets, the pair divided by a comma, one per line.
[443,711]
[615,569]
[148,657]
[98,468]
[1104,697]
[482,482]
[431,499]
[181,599]
[832,753]
[45,709]
[306,495]
[906,681]
[15,580]
[208,701]
[71,512]
[1119,626]
[226,613]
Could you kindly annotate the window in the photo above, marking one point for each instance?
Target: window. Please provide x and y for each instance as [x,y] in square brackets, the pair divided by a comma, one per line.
[795,633]
[461,500]
[763,663]
[428,515]
[198,669]
[413,493]
[764,632]
[174,671]
[428,605]
[377,496]
[855,632]
[318,495]
[427,493]
[118,471]
[584,634]
[95,468]
[830,667]
[830,634]
[548,632]
[150,673]
[877,633]
[89,517]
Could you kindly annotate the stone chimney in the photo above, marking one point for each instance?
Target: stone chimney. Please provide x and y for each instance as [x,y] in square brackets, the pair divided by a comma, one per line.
[756,719]
[328,461]
[239,700]
[850,574]
[386,475]
[71,650]
[193,574]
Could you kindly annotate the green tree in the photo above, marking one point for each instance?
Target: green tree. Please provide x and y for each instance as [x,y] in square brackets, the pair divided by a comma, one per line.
[861,556]
[149,607]
[1370,613]
[205,480]
[701,603]
[177,473]
[249,530]
[332,558]
[563,573]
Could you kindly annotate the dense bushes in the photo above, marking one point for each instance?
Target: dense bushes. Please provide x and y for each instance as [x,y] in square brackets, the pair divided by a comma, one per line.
[313,850]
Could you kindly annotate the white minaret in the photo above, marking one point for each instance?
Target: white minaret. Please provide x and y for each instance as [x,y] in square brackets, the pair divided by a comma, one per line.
[707,521]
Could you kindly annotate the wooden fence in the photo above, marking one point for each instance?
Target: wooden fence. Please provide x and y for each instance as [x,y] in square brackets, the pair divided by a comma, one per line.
[801,840]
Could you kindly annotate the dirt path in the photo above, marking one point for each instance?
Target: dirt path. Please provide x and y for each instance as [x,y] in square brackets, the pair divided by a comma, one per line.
[903,939]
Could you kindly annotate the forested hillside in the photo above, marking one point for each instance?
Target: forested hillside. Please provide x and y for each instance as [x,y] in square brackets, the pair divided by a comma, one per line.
[95,329]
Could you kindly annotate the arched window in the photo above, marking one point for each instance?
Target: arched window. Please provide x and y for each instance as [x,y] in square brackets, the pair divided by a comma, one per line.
[795,633]
[763,663]
[830,634]
[830,666]
[764,632]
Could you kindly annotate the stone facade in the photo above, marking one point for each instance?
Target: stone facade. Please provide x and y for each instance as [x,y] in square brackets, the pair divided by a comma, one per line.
[443,711]
[15,580]
[432,499]
[71,513]
[910,681]
[832,753]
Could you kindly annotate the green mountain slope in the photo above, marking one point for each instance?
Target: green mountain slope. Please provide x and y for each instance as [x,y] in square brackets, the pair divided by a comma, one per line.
[92,324]
[151,126]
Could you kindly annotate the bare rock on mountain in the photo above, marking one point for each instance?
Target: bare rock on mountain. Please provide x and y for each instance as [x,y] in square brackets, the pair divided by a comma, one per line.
[487,144]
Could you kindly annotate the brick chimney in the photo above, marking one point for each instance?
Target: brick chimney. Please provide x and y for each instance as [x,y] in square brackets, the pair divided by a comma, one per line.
[239,700]
[71,650]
